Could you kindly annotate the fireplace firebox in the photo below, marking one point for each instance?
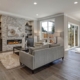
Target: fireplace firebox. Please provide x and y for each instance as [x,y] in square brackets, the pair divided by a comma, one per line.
[12,42]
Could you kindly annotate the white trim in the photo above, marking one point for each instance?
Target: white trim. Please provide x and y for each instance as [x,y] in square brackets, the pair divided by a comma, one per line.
[50,17]
[47,20]
[73,24]
[30,18]
[74,35]
[16,15]
[72,17]
[41,38]
[55,15]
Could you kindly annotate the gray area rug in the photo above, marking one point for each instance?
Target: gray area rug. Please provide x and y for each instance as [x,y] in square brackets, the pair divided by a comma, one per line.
[9,60]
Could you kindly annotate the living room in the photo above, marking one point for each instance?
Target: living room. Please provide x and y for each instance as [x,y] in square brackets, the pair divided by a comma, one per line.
[39,42]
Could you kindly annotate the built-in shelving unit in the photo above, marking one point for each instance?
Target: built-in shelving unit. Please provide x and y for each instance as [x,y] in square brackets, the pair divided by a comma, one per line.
[0,35]
[0,31]
[29,28]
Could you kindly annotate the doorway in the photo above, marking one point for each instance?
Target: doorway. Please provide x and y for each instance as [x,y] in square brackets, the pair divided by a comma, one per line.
[72,35]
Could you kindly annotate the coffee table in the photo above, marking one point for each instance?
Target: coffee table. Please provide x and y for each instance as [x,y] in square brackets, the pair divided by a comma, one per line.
[19,48]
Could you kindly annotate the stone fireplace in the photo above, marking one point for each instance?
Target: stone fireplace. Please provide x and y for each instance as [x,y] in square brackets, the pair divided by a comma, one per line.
[8,42]
[12,42]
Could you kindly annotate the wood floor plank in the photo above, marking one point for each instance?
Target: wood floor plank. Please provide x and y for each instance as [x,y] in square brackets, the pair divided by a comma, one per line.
[68,69]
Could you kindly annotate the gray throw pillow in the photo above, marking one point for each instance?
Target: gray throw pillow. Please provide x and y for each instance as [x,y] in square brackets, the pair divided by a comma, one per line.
[31,49]
[54,45]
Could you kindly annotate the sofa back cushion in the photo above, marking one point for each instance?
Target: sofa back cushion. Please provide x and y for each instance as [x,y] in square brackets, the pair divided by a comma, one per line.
[54,45]
[31,49]
[38,44]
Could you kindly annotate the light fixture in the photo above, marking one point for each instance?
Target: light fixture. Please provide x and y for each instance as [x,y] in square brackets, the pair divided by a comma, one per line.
[57,34]
[75,2]
[35,3]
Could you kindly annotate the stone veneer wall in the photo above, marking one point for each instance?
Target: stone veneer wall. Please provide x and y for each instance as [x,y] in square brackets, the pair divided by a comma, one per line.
[13,21]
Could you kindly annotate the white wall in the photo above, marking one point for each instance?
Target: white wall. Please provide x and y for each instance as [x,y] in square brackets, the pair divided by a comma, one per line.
[59,26]
[35,31]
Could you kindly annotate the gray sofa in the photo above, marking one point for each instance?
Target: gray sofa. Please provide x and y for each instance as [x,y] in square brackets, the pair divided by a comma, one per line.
[40,57]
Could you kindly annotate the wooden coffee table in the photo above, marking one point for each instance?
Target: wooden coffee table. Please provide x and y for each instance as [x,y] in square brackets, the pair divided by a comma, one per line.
[18,48]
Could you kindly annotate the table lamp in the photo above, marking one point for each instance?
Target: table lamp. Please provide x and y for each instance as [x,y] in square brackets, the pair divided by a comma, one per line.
[57,34]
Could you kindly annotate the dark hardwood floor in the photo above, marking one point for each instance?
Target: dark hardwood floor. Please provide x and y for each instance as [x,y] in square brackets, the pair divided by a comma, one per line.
[68,69]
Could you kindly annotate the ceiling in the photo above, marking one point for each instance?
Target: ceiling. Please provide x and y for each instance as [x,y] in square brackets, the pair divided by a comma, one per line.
[26,8]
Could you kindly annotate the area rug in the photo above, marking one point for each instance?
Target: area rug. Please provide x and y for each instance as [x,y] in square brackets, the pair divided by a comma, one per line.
[9,60]
[77,50]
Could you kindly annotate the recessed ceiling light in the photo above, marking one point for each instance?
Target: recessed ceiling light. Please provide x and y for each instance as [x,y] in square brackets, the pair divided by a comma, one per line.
[35,3]
[75,2]
[37,14]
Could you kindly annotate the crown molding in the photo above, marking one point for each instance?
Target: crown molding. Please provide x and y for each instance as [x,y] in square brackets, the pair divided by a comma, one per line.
[71,17]
[56,15]
[16,15]
[51,16]
[30,18]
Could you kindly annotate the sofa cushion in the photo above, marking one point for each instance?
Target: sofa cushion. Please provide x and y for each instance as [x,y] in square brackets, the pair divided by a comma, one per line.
[31,49]
[54,45]
[38,44]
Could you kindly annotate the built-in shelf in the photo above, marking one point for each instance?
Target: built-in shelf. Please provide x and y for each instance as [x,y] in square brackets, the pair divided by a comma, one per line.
[0,28]
[29,28]
[0,35]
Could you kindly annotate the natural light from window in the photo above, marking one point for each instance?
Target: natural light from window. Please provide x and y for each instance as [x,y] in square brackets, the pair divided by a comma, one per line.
[47,26]
[50,26]
[44,25]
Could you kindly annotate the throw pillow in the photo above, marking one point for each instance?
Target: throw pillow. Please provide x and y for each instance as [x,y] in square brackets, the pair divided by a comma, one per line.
[54,45]
[31,49]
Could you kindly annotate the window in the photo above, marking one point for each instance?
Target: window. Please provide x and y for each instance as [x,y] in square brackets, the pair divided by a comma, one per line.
[48,27]
[47,30]
[44,27]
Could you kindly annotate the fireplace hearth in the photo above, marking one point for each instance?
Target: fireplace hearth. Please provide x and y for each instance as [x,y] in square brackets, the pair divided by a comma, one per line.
[12,42]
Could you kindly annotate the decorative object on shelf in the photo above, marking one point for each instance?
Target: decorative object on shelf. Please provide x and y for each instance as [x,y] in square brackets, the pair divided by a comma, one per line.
[23,40]
[23,34]
[57,34]
[51,41]
[28,28]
